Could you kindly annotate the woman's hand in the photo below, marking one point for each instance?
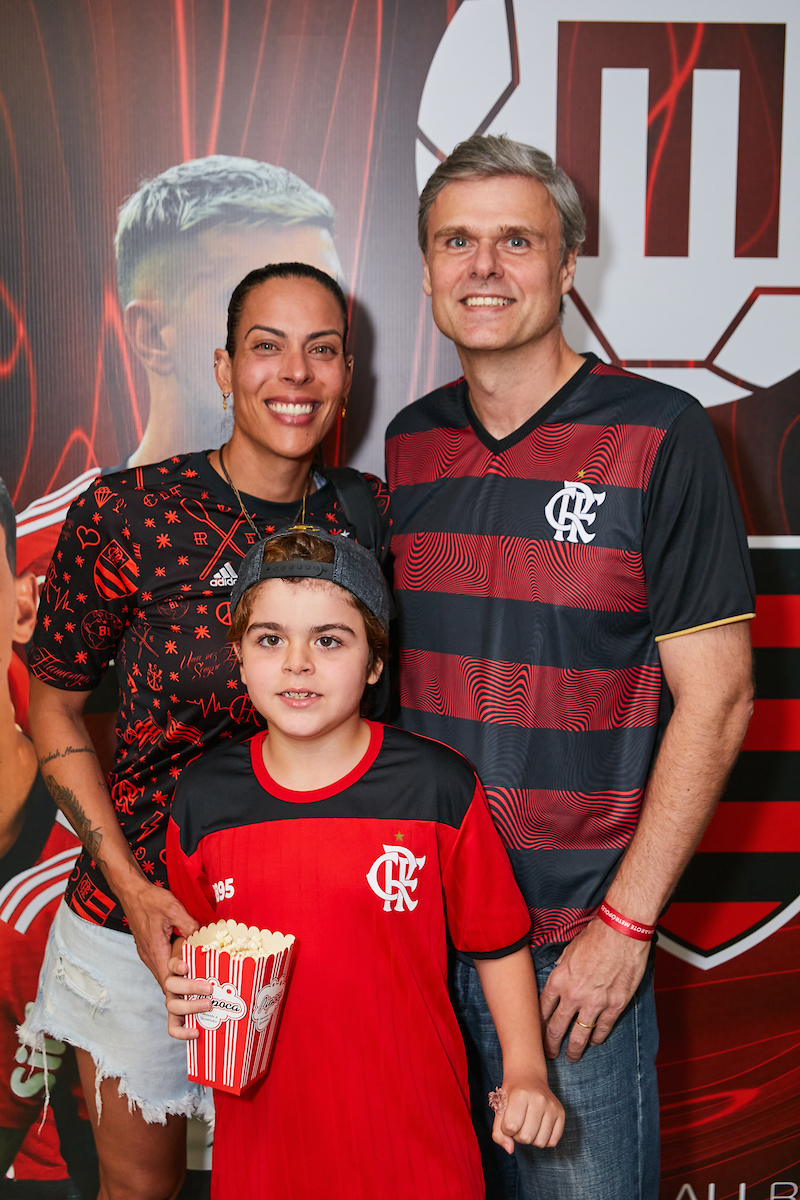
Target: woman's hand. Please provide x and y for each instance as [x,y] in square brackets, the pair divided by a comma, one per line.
[153,913]
[532,1115]
[184,996]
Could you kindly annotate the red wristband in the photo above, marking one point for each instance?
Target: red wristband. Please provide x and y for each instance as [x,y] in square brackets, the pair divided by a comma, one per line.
[632,929]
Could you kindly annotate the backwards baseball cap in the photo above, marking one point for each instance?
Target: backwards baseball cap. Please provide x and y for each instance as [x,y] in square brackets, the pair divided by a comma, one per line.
[353,568]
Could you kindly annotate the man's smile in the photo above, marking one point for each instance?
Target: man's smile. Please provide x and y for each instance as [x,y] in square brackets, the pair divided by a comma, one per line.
[487,301]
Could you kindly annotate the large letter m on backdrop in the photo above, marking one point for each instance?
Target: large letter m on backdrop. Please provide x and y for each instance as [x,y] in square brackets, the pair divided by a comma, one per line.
[671,53]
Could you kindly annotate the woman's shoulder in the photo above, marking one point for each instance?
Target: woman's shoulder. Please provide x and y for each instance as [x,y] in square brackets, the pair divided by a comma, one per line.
[176,471]
[378,488]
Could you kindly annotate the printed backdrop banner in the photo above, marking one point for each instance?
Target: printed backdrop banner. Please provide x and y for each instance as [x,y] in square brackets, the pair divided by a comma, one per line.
[681,132]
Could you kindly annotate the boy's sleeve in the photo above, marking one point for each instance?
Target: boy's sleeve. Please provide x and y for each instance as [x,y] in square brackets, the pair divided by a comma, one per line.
[187,878]
[486,914]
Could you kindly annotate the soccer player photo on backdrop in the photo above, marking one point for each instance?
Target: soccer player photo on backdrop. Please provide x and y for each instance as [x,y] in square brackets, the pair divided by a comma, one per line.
[368,844]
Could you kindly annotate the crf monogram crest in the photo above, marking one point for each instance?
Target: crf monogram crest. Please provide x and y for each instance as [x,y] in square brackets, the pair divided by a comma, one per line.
[391,878]
[568,511]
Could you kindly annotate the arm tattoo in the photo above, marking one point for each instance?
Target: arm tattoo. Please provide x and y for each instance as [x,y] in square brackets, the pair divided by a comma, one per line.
[65,753]
[69,802]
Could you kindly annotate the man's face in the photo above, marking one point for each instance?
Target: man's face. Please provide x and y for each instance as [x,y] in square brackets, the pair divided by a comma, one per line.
[217,260]
[493,269]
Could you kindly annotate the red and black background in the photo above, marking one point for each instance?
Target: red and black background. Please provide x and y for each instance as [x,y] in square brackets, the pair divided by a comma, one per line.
[97,95]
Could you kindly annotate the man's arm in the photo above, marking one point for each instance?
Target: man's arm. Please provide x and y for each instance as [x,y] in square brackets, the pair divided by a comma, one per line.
[709,674]
[72,772]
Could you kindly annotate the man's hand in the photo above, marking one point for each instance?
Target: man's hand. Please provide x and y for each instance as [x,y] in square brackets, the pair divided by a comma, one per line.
[532,1115]
[184,996]
[152,914]
[593,981]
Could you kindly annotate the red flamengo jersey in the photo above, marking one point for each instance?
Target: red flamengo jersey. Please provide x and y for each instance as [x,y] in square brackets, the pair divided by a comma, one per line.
[366,1096]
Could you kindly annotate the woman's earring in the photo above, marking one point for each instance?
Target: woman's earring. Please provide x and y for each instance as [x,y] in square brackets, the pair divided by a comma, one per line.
[344,406]
[225,396]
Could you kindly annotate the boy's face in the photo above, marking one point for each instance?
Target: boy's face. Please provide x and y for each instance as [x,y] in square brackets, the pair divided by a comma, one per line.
[304,657]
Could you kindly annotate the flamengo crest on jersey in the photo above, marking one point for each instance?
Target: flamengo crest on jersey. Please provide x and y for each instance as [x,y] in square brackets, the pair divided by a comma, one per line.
[225,577]
[572,514]
[393,888]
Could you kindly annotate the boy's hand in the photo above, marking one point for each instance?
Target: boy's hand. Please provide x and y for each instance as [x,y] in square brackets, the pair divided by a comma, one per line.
[532,1116]
[184,996]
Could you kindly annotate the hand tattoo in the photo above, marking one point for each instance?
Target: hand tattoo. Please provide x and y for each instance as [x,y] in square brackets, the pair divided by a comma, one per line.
[68,801]
[65,753]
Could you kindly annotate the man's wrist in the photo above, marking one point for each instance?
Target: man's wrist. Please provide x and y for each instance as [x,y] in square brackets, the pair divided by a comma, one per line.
[628,926]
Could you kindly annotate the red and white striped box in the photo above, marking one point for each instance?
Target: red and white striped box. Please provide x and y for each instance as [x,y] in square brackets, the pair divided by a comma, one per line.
[237,1035]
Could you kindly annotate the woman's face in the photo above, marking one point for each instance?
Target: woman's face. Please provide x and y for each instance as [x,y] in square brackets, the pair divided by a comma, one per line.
[289,372]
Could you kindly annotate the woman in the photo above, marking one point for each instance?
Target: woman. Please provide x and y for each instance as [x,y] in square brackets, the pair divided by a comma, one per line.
[142,574]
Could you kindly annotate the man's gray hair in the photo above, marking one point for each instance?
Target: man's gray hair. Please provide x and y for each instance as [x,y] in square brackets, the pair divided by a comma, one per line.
[485,156]
[220,189]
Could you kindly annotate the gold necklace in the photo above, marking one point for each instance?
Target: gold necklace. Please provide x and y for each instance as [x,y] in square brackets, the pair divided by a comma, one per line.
[301,515]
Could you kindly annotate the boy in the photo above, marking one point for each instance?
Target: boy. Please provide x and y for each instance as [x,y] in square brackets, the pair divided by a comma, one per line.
[368,844]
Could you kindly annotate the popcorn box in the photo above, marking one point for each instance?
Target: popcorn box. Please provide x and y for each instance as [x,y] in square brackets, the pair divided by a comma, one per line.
[249,969]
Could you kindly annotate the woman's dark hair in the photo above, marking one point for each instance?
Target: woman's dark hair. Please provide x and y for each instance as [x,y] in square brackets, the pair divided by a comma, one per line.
[286,270]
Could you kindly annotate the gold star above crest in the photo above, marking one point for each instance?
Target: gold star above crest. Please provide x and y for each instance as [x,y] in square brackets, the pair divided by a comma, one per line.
[398,837]
[581,474]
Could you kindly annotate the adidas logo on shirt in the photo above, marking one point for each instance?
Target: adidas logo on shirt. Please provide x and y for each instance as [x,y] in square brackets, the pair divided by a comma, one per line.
[225,577]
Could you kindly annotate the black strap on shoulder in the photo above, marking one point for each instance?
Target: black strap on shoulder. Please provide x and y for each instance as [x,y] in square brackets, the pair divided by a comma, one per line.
[359,506]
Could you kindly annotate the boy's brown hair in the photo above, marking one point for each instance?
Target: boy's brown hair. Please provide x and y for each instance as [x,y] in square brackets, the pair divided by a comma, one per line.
[313,549]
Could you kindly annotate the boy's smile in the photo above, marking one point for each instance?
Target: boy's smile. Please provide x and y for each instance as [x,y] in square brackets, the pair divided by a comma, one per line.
[304,658]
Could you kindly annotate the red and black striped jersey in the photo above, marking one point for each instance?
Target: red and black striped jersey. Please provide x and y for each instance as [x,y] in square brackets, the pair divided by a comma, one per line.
[142,574]
[534,577]
[367,1090]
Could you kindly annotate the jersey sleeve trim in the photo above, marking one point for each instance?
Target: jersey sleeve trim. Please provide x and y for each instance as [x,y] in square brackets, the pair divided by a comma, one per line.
[502,953]
[664,637]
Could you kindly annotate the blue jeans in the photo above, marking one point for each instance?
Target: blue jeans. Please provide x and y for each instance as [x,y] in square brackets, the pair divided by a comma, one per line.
[610,1146]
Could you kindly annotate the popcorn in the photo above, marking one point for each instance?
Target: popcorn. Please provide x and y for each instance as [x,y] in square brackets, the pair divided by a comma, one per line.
[237,938]
[248,968]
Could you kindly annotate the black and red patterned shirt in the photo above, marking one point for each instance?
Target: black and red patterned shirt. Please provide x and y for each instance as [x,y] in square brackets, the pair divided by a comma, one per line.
[534,577]
[142,574]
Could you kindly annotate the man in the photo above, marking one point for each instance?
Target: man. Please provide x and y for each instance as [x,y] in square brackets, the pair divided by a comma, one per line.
[38,850]
[183,242]
[567,542]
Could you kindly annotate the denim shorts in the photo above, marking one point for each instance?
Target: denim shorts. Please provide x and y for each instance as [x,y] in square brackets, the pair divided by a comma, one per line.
[610,1146]
[96,993]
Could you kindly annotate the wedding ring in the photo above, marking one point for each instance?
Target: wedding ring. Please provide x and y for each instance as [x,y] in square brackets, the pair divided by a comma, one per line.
[583,1026]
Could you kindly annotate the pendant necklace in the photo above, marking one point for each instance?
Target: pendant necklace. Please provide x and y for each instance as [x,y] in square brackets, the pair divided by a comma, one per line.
[299,521]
